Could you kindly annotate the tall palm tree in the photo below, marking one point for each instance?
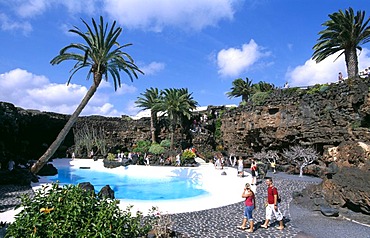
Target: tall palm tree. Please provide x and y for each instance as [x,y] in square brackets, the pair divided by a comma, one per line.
[176,103]
[150,100]
[241,88]
[344,33]
[102,55]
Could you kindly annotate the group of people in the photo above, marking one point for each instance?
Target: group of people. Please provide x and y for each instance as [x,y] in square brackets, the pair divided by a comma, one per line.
[271,204]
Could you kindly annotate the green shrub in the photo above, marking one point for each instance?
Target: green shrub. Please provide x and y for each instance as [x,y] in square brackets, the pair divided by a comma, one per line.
[142,146]
[243,103]
[314,89]
[111,157]
[156,149]
[188,154]
[165,143]
[324,87]
[259,98]
[69,211]
[218,124]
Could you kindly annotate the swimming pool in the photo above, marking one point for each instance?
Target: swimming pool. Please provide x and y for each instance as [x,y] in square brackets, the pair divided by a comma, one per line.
[220,190]
[127,185]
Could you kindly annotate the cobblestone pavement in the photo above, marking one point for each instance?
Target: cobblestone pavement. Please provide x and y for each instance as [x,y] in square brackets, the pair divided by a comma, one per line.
[223,221]
[10,195]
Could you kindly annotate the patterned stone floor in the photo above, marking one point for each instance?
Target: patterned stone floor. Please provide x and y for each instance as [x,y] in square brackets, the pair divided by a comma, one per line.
[10,195]
[223,221]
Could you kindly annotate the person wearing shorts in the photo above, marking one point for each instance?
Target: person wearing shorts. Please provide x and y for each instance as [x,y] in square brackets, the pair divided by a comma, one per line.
[272,207]
[250,201]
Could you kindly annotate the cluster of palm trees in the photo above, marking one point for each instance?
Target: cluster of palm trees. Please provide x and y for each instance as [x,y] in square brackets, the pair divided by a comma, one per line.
[245,88]
[176,104]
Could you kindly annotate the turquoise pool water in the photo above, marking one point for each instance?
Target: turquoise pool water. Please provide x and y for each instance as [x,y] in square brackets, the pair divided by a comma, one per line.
[129,187]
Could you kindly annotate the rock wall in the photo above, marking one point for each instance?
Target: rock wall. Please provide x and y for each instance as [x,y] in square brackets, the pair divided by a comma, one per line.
[320,117]
[26,134]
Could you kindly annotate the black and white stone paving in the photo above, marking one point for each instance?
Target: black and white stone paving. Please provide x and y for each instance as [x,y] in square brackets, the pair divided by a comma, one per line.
[223,221]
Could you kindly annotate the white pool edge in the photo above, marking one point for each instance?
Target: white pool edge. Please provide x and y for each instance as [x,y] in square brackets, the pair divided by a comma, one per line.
[223,189]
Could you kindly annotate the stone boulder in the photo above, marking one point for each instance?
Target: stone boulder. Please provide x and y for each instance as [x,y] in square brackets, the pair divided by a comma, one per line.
[87,186]
[106,192]
[348,188]
[48,170]
[111,164]
[329,211]
[17,176]
[348,175]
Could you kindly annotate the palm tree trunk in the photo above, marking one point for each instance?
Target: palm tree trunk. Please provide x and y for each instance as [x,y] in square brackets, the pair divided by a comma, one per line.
[63,133]
[172,138]
[173,120]
[351,63]
[152,127]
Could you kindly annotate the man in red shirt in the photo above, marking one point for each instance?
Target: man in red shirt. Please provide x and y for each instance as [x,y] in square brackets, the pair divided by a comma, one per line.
[272,205]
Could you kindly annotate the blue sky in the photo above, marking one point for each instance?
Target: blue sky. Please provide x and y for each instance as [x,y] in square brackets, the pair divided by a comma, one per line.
[202,45]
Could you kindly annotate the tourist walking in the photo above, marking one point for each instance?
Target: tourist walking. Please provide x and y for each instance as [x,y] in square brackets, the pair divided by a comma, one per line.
[254,172]
[232,160]
[272,205]
[249,206]
[273,166]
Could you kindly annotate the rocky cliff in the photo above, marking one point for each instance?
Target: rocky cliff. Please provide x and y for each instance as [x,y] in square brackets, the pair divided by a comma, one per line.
[320,116]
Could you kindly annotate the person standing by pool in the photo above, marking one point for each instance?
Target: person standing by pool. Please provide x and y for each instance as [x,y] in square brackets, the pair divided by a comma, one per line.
[240,167]
[250,203]
[178,161]
[272,205]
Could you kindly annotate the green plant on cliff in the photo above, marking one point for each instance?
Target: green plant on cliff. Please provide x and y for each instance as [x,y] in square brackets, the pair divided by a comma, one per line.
[156,149]
[259,98]
[218,132]
[317,88]
[344,33]
[70,211]
[142,146]
[102,55]
[166,143]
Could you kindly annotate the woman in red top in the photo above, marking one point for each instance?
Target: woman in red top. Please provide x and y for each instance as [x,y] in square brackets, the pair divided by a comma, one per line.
[250,201]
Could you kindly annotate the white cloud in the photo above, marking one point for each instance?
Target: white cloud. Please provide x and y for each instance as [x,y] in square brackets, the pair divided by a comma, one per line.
[324,72]
[31,91]
[31,8]
[125,89]
[152,68]
[155,15]
[232,62]
[7,24]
